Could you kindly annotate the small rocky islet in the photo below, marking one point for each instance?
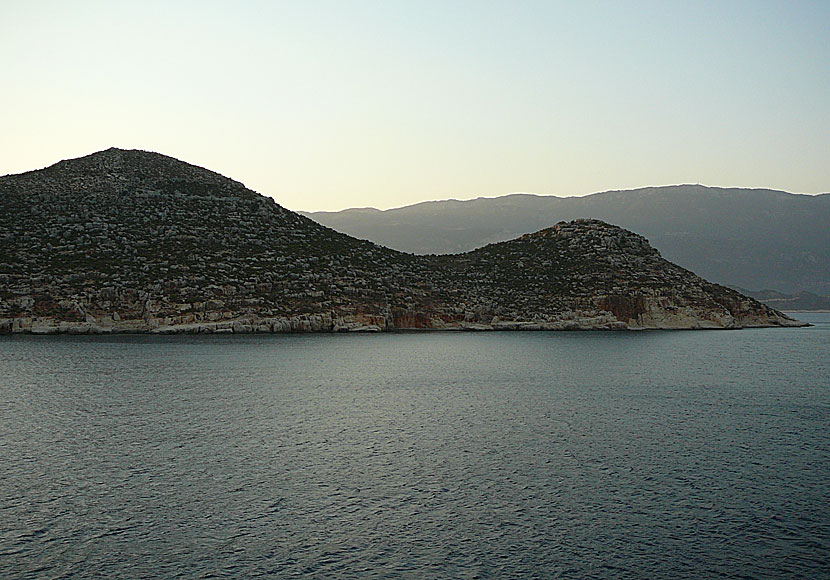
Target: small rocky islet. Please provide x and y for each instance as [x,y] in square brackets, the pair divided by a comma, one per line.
[137,242]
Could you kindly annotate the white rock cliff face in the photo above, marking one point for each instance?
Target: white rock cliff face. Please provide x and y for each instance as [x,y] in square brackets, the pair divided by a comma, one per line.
[657,316]
[136,242]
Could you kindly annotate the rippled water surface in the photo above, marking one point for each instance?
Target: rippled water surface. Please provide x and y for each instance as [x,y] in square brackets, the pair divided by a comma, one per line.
[440,455]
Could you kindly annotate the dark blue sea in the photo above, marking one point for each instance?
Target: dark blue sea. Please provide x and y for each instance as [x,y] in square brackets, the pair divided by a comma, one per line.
[654,455]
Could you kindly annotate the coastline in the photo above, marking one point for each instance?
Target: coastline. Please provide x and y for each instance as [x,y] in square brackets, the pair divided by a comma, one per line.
[307,324]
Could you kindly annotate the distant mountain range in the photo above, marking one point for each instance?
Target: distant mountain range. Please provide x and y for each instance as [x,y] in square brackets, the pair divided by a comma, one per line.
[131,241]
[751,238]
[803,301]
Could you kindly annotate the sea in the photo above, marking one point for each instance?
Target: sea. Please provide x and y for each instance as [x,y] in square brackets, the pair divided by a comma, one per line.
[654,455]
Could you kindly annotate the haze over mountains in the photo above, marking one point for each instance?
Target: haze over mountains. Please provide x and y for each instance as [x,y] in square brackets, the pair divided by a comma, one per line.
[751,238]
[131,241]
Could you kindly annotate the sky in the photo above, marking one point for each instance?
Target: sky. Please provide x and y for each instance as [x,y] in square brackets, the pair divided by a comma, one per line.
[325,105]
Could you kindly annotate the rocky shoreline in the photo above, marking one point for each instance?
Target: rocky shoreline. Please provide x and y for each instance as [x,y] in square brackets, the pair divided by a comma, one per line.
[325,323]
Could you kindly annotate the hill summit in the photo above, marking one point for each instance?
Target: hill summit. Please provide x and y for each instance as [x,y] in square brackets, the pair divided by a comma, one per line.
[132,241]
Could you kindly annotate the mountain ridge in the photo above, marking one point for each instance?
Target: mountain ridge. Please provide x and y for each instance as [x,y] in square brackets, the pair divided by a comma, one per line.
[746,237]
[518,194]
[133,241]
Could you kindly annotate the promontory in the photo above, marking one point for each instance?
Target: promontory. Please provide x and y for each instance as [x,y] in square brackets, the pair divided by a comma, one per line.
[136,242]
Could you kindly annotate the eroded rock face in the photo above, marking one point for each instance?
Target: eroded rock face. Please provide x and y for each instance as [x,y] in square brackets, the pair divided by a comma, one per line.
[129,241]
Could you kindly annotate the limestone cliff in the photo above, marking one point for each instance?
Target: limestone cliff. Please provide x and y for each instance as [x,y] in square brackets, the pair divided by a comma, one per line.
[130,241]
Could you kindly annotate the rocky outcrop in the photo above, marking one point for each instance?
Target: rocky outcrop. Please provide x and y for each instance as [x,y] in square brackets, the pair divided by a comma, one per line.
[129,241]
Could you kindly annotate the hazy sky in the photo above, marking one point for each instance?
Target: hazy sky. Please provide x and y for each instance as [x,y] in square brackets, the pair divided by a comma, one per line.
[326,105]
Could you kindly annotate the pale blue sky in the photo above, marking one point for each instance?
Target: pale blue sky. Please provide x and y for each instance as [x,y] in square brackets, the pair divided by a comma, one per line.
[326,105]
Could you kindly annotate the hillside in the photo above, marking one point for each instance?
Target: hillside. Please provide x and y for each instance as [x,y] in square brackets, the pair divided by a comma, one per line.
[751,238]
[130,241]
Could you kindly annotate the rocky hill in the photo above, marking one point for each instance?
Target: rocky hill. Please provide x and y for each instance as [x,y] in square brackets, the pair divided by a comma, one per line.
[130,241]
[751,238]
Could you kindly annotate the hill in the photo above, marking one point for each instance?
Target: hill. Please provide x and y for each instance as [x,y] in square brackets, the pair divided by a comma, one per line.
[131,241]
[751,238]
